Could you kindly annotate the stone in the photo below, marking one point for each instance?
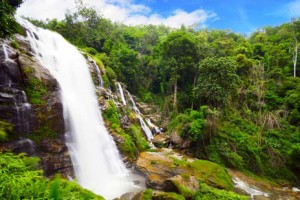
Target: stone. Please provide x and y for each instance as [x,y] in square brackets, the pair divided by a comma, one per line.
[51,145]
[175,139]
[163,165]
[172,184]
[161,140]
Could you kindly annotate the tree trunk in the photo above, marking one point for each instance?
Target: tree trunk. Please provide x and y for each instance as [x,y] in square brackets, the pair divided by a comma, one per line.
[295,58]
[193,91]
[175,95]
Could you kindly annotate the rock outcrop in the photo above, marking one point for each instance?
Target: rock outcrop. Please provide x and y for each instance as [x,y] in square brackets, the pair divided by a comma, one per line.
[30,101]
[161,167]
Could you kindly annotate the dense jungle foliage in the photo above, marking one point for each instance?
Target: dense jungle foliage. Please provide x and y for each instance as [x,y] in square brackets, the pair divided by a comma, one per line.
[236,98]
[8,24]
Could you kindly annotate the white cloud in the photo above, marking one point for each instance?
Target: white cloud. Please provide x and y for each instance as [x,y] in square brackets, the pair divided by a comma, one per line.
[125,11]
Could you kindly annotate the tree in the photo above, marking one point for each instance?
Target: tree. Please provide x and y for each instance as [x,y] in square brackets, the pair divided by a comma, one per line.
[217,80]
[8,24]
[180,52]
[295,25]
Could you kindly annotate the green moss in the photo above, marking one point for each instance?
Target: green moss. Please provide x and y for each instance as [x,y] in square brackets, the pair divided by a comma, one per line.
[207,193]
[212,171]
[35,91]
[168,196]
[5,129]
[147,194]
[209,172]
[136,133]
[15,44]
[184,191]
[111,114]
[44,132]
[128,146]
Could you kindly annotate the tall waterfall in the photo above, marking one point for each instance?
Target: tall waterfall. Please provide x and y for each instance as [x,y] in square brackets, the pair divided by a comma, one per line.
[96,160]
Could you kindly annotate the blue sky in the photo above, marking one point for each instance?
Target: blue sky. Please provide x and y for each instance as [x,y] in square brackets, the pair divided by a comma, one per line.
[243,16]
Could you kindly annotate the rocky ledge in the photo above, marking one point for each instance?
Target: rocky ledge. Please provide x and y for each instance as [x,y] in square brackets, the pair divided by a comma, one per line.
[165,169]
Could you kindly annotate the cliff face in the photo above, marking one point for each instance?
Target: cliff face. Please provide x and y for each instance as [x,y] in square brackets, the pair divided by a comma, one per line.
[30,101]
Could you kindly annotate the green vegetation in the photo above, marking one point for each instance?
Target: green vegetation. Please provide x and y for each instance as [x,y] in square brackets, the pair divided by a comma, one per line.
[19,179]
[5,128]
[8,24]
[235,98]
[206,193]
[35,90]
[133,140]
[43,132]
[206,171]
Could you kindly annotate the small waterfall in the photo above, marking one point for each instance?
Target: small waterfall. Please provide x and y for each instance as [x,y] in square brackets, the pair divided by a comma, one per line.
[122,94]
[96,160]
[99,77]
[144,126]
[23,112]
[26,145]
[248,189]
[155,128]
[5,52]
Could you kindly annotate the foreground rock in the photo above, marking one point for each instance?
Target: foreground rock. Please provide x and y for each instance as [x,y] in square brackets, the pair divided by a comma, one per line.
[164,167]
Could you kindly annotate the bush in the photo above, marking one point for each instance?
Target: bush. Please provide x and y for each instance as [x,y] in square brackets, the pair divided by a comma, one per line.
[8,24]
[19,179]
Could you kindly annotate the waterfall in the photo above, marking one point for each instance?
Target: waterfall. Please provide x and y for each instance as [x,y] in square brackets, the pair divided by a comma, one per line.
[98,73]
[144,126]
[96,160]
[155,128]
[23,111]
[122,94]
[248,189]
[5,52]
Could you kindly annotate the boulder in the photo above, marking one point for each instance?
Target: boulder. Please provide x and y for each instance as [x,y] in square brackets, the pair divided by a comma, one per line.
[175,139]
[163,165]
[182,184]
[161,140]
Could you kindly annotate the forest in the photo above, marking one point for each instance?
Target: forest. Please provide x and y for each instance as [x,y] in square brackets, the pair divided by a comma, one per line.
[235,97]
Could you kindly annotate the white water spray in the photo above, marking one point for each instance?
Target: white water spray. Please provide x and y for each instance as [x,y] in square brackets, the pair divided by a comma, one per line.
[248,189]
[96,160]
[122,94]
[144,126]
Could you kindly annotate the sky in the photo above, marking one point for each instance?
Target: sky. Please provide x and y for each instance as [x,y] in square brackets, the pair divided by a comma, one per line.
[241,16]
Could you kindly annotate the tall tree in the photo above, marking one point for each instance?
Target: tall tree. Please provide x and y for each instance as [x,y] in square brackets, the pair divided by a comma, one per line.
[180,50]
[217,80]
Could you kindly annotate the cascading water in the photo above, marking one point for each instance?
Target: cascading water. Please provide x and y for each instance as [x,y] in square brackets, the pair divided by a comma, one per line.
[155,128]
[96,160]
[144,126]
[98,73]
[248,189]
[122,94]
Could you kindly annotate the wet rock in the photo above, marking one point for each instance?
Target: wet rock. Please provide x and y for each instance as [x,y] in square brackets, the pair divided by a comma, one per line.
[57,163]
[50,145]
[144,108]
[161,140]
[16,73]
[21,146]
[161,166]
[175,139]
[128,196]
[182,184]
